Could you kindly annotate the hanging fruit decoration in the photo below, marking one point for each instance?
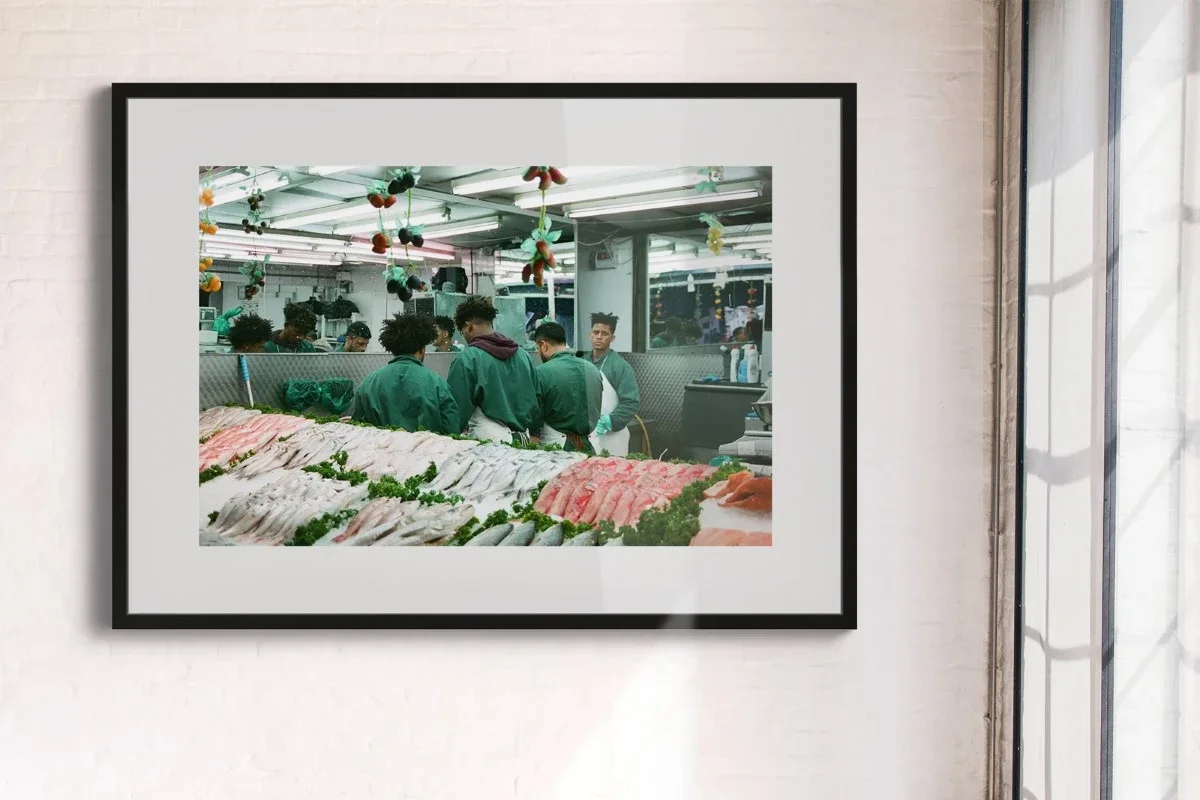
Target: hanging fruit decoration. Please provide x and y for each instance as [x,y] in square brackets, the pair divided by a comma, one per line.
[210,282]
[658,305]
[717,301]
[752,294]
[716,233]
[205,262]
[255,273]
[254,222]
[537,248]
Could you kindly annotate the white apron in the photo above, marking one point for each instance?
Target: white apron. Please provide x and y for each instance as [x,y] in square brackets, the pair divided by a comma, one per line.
[482,427]
[616,443]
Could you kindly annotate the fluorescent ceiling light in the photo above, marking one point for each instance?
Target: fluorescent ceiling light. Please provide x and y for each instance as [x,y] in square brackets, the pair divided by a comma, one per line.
[225,178]
[472,226]
[732,191]
[352,209]
[327,170]
[315,259]
[392,220]
[267,184]
[712,262]
[513,178]
[241,237]
[747,239]
[358,207]
[650,183]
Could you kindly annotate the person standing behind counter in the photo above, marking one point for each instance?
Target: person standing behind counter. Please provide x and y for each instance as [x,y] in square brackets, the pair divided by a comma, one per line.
[492,380]
[298,321]
[249,334]
[444,343]
[569,391]
[622,398]
[404,393]
[358,336]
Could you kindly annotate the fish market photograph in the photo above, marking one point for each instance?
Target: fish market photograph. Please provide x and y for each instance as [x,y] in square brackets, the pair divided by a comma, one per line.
[518,356]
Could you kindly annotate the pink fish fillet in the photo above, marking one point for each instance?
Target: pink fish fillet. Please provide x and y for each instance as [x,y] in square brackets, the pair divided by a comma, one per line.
[579,500]
[592,509]
[564,496]
[623,505]
[611,498]
[546,499]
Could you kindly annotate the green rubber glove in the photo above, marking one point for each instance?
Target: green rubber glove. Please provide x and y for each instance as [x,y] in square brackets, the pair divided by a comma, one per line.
[604,425]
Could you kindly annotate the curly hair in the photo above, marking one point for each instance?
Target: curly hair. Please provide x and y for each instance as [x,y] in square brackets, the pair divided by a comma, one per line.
[474,309]
[299,317]
[605,319]
[405,334]
[444,324]
[248,330]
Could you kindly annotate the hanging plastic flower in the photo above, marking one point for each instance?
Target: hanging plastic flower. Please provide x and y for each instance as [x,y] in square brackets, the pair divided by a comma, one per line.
[206,197]
[714,176]
[539,252]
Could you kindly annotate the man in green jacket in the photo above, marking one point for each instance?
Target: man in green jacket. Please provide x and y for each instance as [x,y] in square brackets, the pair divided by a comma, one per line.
[619,374]
[493,379]
[569,391]
[298,322]
[405,393]
[358,336]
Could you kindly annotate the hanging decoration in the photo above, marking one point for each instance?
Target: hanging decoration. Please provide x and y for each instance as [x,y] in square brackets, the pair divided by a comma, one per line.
[254,222]
[658,304]
[210,282]
[207,225]
[404,180]
[716,233]
[751,296]
[401,281]
[709,185]
[717,312]
[205,262]
[537,247]
[255,273]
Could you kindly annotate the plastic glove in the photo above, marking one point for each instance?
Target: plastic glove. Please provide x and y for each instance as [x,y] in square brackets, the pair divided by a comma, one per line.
[604,426]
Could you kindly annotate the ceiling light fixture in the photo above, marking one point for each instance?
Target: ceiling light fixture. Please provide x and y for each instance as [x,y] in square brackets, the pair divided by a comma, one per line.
[747,239]
[327,170]
[241,237]
[225,178]
[391,222]
[470,226]
[268,184]
[733,191]
[514,177]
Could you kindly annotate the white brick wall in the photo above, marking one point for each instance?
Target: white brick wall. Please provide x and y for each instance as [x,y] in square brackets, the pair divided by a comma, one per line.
[892,711]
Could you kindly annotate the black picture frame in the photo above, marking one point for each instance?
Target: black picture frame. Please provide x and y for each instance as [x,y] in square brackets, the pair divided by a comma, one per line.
[845,93]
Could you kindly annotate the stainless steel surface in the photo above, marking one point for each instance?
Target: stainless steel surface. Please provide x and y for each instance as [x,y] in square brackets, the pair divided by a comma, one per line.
[661,377]
[764,412]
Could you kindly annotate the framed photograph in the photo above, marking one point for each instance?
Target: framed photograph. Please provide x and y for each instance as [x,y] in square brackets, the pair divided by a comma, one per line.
[407,368]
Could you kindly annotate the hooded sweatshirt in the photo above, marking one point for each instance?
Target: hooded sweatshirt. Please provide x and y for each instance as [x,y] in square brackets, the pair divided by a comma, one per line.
[496,376]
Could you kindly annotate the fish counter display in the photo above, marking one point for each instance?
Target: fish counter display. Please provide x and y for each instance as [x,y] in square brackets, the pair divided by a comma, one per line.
[275,478]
